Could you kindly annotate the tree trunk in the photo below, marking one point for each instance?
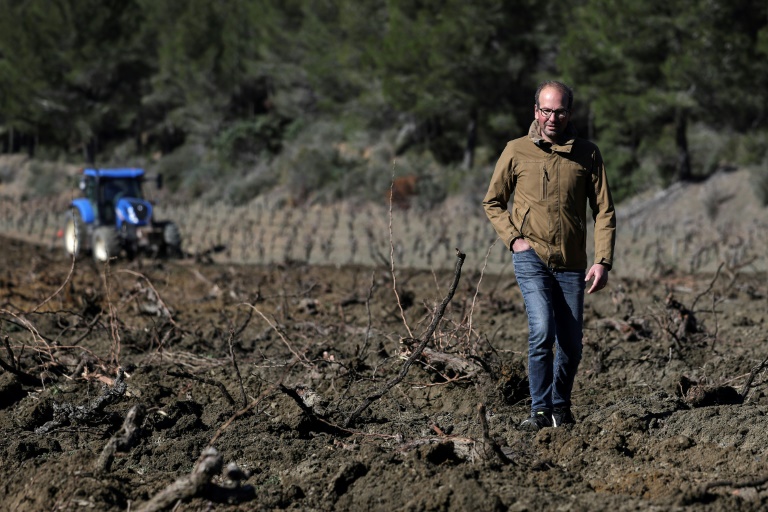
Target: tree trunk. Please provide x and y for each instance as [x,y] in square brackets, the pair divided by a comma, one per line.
[681,140]
[89,150]
[139,133]
[469,150]
[33,143]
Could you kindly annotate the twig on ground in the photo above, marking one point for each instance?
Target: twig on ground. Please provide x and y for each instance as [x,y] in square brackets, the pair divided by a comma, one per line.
[268,392]
[208,465]
[122,441]
[699,494]
[477,289]
[361,351]
[459,366]
[328,426]
[88,331]
[299,357]
[448,380]
[752,374]
[489,441]
[161,350]
[711,284]
[11,355]
[437,430]
[24,377]
[237,369]
[64,414]
[737,485]
[416,353]
[113,319]
[81,365]
[186,375]
[69,276]
[26,324]
[717,324]
[247,321]
[167,312]
[666,327]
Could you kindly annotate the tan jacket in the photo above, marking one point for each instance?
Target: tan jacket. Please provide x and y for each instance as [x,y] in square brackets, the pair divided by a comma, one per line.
[551,185]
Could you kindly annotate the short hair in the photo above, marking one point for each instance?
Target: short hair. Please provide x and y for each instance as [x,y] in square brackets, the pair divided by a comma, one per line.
[560,86]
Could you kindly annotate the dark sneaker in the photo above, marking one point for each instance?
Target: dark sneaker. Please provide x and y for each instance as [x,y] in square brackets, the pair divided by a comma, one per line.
[537,421]
[562,416]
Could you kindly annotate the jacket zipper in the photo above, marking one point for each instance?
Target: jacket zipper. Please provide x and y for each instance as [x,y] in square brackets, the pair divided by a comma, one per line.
[544,180]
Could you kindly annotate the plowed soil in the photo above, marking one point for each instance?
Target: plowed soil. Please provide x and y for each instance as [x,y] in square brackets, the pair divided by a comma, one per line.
[266,364]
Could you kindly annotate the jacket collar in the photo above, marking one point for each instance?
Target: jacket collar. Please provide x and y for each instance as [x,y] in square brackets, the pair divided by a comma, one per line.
[534,133]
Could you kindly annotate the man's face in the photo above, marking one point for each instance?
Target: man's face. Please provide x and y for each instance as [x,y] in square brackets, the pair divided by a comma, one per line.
[552,114]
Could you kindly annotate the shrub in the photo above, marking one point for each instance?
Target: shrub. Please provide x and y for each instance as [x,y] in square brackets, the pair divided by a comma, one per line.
[760,181]
[186,172]
[751,149]
[45,179]
[246,140]
[258,182]
[709,150]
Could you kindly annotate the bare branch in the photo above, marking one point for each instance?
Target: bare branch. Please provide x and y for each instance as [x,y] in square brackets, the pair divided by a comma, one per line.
[416,353]
[752,375]
[186,375]
[237,369]
[392,253]
[122,441]
[711,284]
[208,465]
[489,441]
[69,276]
[299,357]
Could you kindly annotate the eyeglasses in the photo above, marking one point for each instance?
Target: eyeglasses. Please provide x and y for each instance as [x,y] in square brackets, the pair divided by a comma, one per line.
[559,113]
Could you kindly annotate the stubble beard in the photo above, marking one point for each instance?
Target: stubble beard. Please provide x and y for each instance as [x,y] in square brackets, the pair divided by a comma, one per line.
[553,132]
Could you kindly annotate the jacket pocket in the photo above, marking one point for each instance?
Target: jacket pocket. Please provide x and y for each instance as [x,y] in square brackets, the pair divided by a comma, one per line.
[520,217]
[544,180]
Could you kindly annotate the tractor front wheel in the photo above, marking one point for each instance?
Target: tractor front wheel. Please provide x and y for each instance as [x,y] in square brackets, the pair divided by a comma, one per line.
[172,240]
[105,244]
[74,234]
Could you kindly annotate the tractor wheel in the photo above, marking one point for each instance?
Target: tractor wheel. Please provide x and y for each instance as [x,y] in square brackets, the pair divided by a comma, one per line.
[172,240]
[75,243]
[105,244]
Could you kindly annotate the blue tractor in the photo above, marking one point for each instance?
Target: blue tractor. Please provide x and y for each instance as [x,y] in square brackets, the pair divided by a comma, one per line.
[113,217]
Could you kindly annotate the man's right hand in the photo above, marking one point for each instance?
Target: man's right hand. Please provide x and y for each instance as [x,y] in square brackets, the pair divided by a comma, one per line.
[520,245]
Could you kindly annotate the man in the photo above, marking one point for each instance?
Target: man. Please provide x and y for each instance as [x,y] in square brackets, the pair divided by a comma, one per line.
[553,175]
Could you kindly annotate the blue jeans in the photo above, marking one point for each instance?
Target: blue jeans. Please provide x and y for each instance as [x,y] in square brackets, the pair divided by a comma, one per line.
[554,300]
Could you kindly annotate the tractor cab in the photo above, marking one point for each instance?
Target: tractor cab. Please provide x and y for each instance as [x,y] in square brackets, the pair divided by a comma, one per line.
[115,196]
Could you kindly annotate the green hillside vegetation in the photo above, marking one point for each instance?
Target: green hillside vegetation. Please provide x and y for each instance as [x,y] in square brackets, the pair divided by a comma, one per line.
[328,99]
